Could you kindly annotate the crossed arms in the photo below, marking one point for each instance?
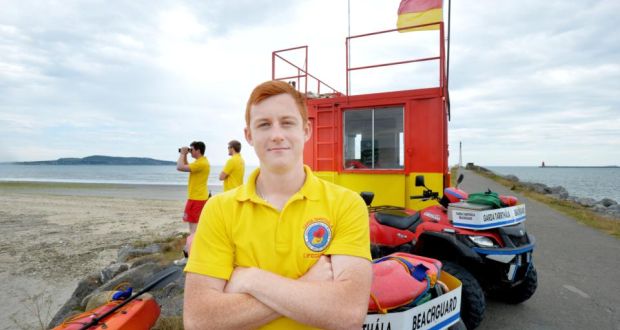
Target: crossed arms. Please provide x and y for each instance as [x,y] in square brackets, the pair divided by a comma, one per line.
[333,294]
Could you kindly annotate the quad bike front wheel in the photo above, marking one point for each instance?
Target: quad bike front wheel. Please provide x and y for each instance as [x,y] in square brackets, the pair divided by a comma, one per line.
[523,291]
[473,303]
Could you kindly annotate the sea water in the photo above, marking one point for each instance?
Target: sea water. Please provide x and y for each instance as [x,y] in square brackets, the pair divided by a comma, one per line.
[116,174]
[596,183]
[593,182]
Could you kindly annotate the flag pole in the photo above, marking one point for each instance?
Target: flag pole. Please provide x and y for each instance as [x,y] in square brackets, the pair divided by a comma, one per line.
[448,50]
[348,45]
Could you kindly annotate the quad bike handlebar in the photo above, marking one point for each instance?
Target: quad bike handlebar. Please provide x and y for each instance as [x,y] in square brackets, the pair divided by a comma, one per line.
[426,194]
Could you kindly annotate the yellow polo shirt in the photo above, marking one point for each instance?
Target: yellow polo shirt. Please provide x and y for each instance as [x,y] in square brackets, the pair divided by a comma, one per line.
[197,182]
[235,168]
[238,228]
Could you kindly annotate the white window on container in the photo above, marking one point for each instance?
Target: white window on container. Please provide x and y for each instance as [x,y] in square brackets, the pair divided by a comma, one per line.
[373,138]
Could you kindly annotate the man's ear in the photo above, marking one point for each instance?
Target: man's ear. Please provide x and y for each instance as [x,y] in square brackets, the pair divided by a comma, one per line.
[307,130]
[248,136]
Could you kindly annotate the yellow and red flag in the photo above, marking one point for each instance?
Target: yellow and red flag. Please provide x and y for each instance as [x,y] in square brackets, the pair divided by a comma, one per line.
[417,12]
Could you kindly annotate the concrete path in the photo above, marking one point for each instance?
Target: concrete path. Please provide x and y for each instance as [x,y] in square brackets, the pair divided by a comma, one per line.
[578,281]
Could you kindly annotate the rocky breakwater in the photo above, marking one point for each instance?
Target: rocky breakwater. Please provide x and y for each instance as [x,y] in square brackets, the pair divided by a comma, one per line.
[134,267]
[606,206]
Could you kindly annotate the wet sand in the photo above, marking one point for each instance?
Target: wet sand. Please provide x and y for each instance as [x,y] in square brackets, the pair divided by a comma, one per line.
[54,234]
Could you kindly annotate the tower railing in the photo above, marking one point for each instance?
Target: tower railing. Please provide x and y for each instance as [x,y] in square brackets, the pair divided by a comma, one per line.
[439,58]
[302,76]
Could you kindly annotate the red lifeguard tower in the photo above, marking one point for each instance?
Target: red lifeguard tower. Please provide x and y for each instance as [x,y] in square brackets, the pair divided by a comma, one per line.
[377,141]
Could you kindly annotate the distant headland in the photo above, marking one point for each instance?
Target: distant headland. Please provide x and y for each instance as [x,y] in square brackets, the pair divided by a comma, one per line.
[100,160]
[543,165]
[553,166]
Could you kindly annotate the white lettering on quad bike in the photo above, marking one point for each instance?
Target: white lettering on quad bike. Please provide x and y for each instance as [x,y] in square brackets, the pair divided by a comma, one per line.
[434,313]
[465,215]
[432,216]
[496,216]
[377,326]
[503,214]
[519,211]
[488,217]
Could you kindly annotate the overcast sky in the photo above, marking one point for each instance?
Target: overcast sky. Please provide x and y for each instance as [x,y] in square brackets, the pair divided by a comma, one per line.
[530,81]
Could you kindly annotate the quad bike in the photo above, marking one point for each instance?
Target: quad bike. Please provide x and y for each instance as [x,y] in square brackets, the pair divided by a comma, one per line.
[493,256]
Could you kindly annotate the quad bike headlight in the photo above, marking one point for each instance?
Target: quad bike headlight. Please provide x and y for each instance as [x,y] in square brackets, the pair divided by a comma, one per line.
[482,241]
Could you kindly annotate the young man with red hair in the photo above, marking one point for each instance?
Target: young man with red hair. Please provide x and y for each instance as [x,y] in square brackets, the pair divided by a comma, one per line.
[286,250]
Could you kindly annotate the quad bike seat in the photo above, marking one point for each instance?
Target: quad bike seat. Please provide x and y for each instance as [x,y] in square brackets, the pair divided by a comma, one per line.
[397,218]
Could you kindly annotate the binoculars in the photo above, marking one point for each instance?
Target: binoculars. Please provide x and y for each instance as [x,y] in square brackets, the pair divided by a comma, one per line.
[180,149]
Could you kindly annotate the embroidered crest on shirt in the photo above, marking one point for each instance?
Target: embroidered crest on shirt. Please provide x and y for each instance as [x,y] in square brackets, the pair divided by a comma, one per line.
[317,235]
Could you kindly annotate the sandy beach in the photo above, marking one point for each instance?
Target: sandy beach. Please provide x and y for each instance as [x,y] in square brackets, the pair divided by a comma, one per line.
[54,234]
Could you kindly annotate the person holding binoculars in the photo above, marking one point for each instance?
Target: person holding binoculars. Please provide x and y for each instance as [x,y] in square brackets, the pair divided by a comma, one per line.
[197,192]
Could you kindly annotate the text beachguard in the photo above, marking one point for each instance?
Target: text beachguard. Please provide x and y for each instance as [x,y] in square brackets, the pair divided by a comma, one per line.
[431,315]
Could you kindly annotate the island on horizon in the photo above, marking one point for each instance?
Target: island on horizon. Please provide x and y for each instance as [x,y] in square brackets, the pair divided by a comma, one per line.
[100,160]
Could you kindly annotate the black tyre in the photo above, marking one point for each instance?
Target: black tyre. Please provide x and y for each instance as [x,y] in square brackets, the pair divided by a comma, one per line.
[523,291]
[473,303]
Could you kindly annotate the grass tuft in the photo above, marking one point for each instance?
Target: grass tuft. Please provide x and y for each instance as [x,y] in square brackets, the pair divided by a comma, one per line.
[39,307]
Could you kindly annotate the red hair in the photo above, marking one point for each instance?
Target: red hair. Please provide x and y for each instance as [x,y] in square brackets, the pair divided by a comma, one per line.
[272,88]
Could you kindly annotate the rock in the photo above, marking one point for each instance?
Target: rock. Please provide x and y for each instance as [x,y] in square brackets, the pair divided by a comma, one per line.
[599,208]
[559,191]
[537,187]
[607,202]
[172,306]
[511,177]
[586,201]
[98,299]
[112,270]
[72,306]
[136,278]
[128,252]
[171,298]
[145,260]
[613,210]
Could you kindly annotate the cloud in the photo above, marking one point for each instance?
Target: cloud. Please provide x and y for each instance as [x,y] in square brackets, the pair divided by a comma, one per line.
[528,80]
[538,82]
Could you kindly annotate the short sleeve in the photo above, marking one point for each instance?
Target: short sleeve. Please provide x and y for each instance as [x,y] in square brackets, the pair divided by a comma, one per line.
[212,250]
[230,165]
[197,167]
[351,228]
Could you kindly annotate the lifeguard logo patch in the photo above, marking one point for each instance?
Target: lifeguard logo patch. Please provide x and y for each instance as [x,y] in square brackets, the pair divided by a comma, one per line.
[317,235]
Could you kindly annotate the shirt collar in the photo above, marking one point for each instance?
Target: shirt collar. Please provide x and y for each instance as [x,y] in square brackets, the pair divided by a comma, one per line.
[309,190]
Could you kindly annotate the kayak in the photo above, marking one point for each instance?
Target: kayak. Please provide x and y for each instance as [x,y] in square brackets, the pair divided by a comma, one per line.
[140,313]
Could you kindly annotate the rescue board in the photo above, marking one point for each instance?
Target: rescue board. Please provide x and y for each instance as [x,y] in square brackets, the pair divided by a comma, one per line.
[438,313]
[140,313]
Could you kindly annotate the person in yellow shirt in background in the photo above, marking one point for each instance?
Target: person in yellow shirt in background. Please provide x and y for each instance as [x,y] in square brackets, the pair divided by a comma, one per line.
[197,193]
[233,171]
[286,250]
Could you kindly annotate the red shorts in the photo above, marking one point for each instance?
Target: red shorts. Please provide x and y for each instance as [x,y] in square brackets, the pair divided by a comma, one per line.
[193,208]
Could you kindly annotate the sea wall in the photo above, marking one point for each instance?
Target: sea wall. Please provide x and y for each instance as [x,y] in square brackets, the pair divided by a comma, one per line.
[605,206]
